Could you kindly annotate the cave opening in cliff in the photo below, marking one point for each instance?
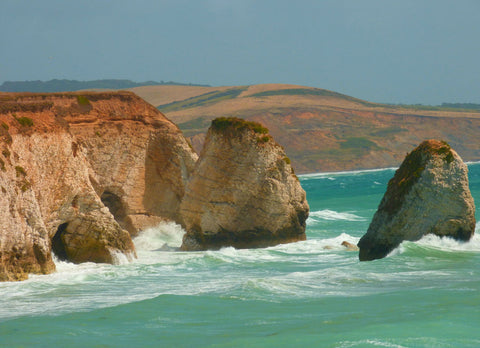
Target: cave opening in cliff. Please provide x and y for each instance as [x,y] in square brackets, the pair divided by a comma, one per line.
[116,207]
[58,245]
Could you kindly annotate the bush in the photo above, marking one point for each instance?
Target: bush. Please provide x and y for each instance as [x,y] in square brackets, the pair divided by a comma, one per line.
[25,121]
[237,124]
[82,100]
[20,171]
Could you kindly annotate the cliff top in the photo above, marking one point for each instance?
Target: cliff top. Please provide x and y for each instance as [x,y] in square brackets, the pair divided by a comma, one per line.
[412,168]
[27,112]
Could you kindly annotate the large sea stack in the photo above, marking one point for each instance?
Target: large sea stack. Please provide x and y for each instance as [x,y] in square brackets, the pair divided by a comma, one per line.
[429,193]
[78,172]
[243,192]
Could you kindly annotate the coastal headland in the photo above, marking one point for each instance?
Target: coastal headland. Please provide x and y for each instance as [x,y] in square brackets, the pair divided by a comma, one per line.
[321,130]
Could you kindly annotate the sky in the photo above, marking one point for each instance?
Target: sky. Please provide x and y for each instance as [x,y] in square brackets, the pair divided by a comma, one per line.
[409,51]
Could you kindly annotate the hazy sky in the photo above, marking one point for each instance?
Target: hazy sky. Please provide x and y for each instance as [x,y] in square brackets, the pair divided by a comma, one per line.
[408,51]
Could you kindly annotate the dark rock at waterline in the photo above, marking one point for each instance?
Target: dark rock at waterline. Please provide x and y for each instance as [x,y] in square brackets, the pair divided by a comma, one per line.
[429,193]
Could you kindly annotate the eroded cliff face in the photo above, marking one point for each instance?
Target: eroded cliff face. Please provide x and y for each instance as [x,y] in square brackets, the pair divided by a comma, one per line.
[243,191]
[428,194]
[79,169]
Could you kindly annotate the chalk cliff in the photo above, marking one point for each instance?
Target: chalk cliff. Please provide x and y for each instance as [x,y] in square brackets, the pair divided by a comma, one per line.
[77,170]
[243,191]
[429,193]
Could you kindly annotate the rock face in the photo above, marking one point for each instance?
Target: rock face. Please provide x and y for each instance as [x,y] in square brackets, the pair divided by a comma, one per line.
[243,192]
[77,170]
[428,194]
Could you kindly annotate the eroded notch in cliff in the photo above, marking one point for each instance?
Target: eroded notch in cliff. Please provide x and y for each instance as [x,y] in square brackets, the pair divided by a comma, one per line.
[58,245]
[116,207]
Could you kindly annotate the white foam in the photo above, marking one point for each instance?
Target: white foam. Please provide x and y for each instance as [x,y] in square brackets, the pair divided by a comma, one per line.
[332,215]
[353,172]
[120,258]
[165,234]
[450,244]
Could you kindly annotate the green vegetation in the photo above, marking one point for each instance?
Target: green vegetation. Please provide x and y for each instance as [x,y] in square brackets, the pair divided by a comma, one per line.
[237,124]
[358,145]
[387,131]
[25,185]
[82,100]
[5,126]
[411,170]
[446,151]
[25,121]
[20,171]
[202,100]
[464,106]
[408,174]
[6,153]
[314,92]
[263,139]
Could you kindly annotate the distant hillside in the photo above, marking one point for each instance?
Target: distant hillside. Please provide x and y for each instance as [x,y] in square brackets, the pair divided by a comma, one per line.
[322,130]
[73,85]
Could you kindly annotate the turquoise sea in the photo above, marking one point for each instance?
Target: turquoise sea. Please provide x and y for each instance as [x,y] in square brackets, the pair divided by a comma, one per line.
[311,293]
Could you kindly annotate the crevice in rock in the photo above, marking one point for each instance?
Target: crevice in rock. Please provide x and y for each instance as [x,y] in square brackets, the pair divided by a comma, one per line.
[116,207]
[58,245]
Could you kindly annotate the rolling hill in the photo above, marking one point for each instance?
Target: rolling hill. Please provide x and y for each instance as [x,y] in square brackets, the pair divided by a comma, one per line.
[321,130]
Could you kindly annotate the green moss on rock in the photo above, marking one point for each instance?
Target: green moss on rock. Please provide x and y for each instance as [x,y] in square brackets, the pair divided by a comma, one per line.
[411,170]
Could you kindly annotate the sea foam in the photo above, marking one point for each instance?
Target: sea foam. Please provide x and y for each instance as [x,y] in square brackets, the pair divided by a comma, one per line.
[332,215]
[164,235]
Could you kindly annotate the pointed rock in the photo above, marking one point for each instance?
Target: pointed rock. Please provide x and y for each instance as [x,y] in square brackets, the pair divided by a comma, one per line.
[428,194]
[243,192]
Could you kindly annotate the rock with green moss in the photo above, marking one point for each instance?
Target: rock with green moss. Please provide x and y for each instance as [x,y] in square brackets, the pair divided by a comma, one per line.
[429,193]
[243,191]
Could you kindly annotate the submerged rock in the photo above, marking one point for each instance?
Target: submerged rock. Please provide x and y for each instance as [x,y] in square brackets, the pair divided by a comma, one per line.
[243,191]
[429,193]
[349,246]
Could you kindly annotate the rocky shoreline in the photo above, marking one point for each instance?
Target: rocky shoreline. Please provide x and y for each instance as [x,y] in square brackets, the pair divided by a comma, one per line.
[81,173]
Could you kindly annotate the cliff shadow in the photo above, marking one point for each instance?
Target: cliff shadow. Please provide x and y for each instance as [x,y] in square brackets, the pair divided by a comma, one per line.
[58,244]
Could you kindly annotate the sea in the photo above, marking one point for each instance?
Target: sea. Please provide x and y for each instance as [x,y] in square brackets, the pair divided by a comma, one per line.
[313,293]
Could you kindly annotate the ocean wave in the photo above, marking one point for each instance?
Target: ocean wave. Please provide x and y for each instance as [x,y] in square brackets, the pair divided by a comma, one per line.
[332,215]
[165,235]
[450,244]
[435,245]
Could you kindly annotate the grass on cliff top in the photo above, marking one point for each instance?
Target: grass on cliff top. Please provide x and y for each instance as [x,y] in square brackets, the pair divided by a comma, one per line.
[237,124]
[202,100]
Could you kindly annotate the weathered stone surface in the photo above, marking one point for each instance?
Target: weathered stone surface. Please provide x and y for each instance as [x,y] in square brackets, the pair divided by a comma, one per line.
[428,194]
[243,192]
[77,170]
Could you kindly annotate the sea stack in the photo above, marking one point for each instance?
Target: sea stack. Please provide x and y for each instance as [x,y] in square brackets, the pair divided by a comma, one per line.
[429,193]
[243,191]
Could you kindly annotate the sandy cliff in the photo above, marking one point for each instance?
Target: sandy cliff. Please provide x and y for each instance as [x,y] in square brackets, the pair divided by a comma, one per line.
[79,169]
